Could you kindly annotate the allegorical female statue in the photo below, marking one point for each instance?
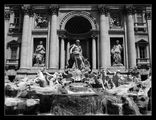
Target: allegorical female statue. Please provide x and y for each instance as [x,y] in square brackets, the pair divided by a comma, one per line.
[39,54]
[116,53]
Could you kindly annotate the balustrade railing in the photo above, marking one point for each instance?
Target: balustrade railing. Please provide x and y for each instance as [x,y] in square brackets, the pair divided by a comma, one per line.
[140,27]
[142,60]
[12,61]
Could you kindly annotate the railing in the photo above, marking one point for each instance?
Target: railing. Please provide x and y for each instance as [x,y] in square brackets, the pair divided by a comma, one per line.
[140,27]
[143,60]
[140,24]
[12,61]
[14,27]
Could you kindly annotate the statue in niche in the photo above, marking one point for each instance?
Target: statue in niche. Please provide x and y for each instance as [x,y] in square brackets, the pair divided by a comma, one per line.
[76,56]
[41,21]
[116,53]
[39,55]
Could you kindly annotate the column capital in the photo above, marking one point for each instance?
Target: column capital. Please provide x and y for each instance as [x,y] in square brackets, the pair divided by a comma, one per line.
[61,33]
[26,8]
[31,12]
[148,15]
[62,36]
[103,9]
[130,10]
[53,9]
[94,33]
[6,15]
[94,36]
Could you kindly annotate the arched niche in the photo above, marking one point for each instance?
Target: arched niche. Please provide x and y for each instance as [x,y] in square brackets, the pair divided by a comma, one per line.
[72,14]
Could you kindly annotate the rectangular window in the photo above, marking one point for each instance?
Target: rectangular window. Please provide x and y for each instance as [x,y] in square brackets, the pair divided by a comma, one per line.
[17,18]
[139,18]
[13,53]
[142,52]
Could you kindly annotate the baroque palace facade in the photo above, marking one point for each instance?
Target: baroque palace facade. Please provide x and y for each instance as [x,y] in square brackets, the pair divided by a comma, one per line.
[55,27]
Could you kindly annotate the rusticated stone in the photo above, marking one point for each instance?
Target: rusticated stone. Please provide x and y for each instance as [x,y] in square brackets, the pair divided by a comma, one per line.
[14,106]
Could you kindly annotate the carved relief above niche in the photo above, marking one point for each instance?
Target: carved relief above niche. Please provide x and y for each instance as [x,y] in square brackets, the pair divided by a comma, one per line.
[115,20]
[41,21]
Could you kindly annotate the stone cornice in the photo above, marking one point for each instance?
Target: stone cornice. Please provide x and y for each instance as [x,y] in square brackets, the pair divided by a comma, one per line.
[103,9]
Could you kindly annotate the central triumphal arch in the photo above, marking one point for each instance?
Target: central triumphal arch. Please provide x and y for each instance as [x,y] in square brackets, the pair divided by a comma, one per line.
[79,25]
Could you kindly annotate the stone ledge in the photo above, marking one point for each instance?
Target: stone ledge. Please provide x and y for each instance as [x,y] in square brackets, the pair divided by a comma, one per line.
[122,69]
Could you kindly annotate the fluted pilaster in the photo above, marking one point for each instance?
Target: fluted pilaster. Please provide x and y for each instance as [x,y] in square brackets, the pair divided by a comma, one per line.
[68,54]
[62,62]
[93,52]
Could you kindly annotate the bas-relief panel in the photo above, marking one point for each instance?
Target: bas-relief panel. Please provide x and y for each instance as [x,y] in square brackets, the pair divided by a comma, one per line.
[41,21]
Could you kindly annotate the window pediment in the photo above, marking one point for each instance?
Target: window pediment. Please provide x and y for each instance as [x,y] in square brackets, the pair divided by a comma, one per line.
[142,42]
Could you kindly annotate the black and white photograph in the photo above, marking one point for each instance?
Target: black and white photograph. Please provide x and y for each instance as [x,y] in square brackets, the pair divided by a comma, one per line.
[78,59]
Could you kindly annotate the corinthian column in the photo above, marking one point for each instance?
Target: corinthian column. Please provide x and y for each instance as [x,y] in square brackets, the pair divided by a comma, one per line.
[93,52]
[62,52]
[54,43]
[24,43]
[104,38]
[131,38]
[30,41]
[68,54]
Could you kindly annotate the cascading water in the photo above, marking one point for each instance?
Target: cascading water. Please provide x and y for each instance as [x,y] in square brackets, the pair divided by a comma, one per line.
[72,94]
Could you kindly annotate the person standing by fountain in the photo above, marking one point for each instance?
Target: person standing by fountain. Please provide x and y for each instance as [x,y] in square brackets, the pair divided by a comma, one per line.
[76,55]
